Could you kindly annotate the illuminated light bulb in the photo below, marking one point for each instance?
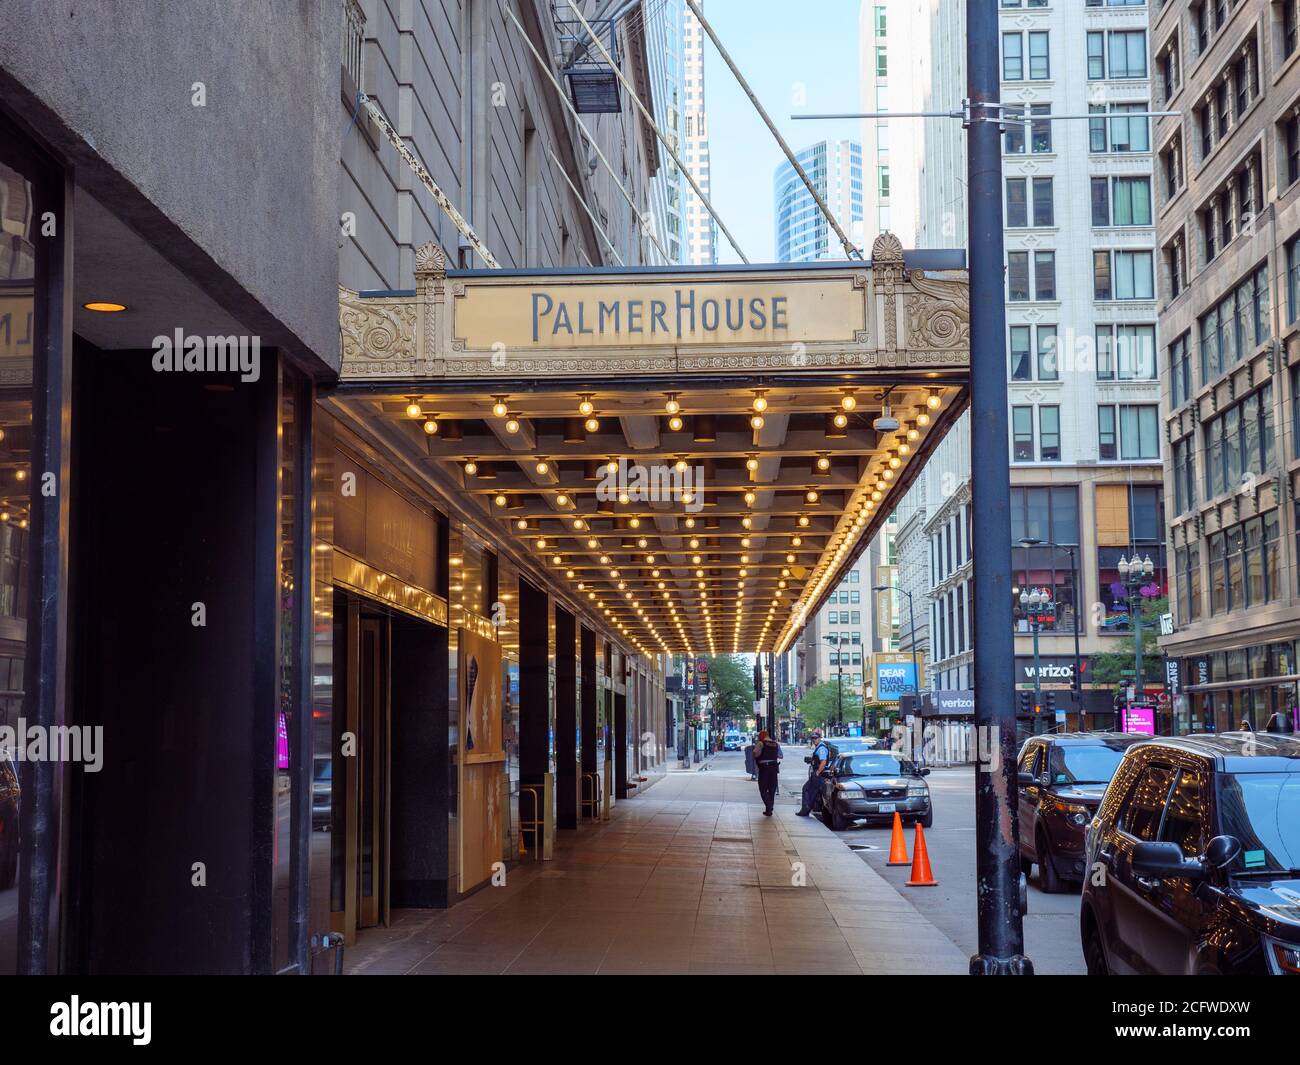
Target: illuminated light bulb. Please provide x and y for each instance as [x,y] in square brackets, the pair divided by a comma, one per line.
[760,403]
[557,560]
[888,475]
[812,496]
[655,573]
[923,419]
[672,406]
[804,521]
[642,542]
[430,426]
[522,523]
[696,559]
[579,524]
[751,464]
[562,500]
[413,409]
[756,422]
[500,500]
[499,408]
[541,543]
[913,434]
[744,558]
[841,420]
[471,467]
[849,401]
[675,423]
[604,560]
[688,497]
[512,425]
[894,462]
[749,499]
[690,523]
[881,484]
[569,573]
[795,541]
[747,521]
[634,522]
[790,557]
[624,498]
[592,542]
[933,401]
[904,449]
[694,543]
[592,425]
[877,495]
[586,407]
[681,466]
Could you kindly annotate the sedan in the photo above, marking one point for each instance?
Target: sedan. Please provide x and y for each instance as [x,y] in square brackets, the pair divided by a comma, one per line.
[872,786]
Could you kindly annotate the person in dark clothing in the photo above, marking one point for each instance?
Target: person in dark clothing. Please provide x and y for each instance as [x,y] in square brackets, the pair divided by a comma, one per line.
[750,767]
[812,787]
[767,757]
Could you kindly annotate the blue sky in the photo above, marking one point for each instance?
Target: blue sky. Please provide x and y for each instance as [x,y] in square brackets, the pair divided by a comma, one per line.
[781,48]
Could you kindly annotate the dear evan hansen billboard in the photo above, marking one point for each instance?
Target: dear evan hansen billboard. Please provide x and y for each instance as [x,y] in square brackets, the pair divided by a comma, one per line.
[895,675]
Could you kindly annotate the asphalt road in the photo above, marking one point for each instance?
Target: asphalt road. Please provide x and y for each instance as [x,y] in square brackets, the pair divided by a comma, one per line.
[1052,923]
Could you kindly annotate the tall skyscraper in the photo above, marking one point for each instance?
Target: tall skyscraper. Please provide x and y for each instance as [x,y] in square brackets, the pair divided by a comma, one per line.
[701,229]
[669,188]
[802,232]
[1081,305]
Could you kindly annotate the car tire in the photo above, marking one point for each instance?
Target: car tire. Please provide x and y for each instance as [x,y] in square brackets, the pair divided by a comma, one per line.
[1094,954]
[928,820]
[1048,881]
[1026,866]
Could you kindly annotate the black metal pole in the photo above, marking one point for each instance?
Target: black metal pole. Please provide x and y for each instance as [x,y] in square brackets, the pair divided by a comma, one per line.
[997,862]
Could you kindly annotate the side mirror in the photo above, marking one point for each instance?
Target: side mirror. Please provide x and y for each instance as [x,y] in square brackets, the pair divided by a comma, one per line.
[923,773]
[1222,851]
[1026,780]
[1159,860]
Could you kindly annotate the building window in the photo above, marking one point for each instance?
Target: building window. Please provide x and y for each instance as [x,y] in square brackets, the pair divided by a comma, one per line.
[1128,431]
[1048,363]
[1236,326]
[1039,60]
[1129,521]
[1288,23]
[882,62]
[1292,279]
[1121,201]
[1017,203]
[1044,275]
[1123,275]
[1184,474]
[1022,434]
[1049,434]
[1291,137]
[1018,276]
[1047,514]
[1187,565]
[1171,162]
[1176,264]
[882,22]
[1240,443]
[1019,347]
[1044,212]
[1244,564]
[1013,58]
[1180,370]
[1117,54]
[1040,131]
[1126,352]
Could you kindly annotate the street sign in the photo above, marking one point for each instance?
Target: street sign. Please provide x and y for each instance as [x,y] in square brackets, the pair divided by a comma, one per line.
[1166,624]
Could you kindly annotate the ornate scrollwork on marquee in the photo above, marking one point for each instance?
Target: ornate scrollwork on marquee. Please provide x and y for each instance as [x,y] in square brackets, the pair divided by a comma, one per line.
[375,332]
[937,315]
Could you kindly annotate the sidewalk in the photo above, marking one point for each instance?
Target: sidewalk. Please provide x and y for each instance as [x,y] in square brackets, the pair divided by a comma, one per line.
[688,877]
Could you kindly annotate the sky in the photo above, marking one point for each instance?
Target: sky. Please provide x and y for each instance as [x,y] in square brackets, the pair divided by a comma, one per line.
[800,57]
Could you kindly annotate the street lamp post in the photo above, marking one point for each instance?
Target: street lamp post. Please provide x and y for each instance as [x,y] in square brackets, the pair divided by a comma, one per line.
[1076,682]
[1134,573]
[834,641]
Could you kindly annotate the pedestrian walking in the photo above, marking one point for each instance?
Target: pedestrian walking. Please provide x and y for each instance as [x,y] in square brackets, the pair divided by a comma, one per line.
[750,767]
[821,757]
[767,758]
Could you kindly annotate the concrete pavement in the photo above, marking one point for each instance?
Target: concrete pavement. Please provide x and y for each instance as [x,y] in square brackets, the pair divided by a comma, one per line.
[688,877]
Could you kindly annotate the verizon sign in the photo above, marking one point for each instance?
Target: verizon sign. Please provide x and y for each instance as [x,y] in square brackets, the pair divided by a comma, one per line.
[1050,668]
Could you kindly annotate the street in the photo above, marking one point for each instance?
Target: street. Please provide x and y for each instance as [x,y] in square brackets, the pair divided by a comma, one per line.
[1052,923]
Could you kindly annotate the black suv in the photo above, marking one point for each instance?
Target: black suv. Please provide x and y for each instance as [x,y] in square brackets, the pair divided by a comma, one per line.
[1194,859]
[1062,777]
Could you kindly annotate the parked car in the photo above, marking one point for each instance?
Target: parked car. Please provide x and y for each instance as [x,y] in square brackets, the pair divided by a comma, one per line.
[1196,852]
[1062,777]
[8,821]
[873,786]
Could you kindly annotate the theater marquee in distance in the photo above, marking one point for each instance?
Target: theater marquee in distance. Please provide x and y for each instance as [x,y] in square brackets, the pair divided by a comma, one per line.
[889,315]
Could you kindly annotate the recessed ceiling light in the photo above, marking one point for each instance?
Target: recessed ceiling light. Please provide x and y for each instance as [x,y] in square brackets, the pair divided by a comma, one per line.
[104,306]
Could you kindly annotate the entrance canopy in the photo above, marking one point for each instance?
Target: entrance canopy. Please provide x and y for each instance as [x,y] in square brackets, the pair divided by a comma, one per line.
[697,452]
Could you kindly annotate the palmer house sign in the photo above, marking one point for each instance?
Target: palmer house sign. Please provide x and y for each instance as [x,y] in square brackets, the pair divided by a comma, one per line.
[898,313]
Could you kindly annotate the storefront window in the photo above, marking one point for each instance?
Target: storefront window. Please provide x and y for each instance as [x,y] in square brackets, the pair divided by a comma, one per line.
[18,342]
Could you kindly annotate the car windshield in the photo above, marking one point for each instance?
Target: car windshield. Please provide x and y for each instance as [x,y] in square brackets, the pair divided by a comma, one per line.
[1263,811]
[868,764]
[1084,764]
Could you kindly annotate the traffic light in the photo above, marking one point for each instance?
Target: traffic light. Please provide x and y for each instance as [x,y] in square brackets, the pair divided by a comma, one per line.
[1049,702]
[1026,701]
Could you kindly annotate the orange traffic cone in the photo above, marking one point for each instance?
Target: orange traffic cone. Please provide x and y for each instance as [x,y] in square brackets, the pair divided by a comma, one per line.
[898,845]
[921,874]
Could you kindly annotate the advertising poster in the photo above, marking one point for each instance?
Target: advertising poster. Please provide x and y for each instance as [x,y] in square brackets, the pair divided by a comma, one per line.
[482,757]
